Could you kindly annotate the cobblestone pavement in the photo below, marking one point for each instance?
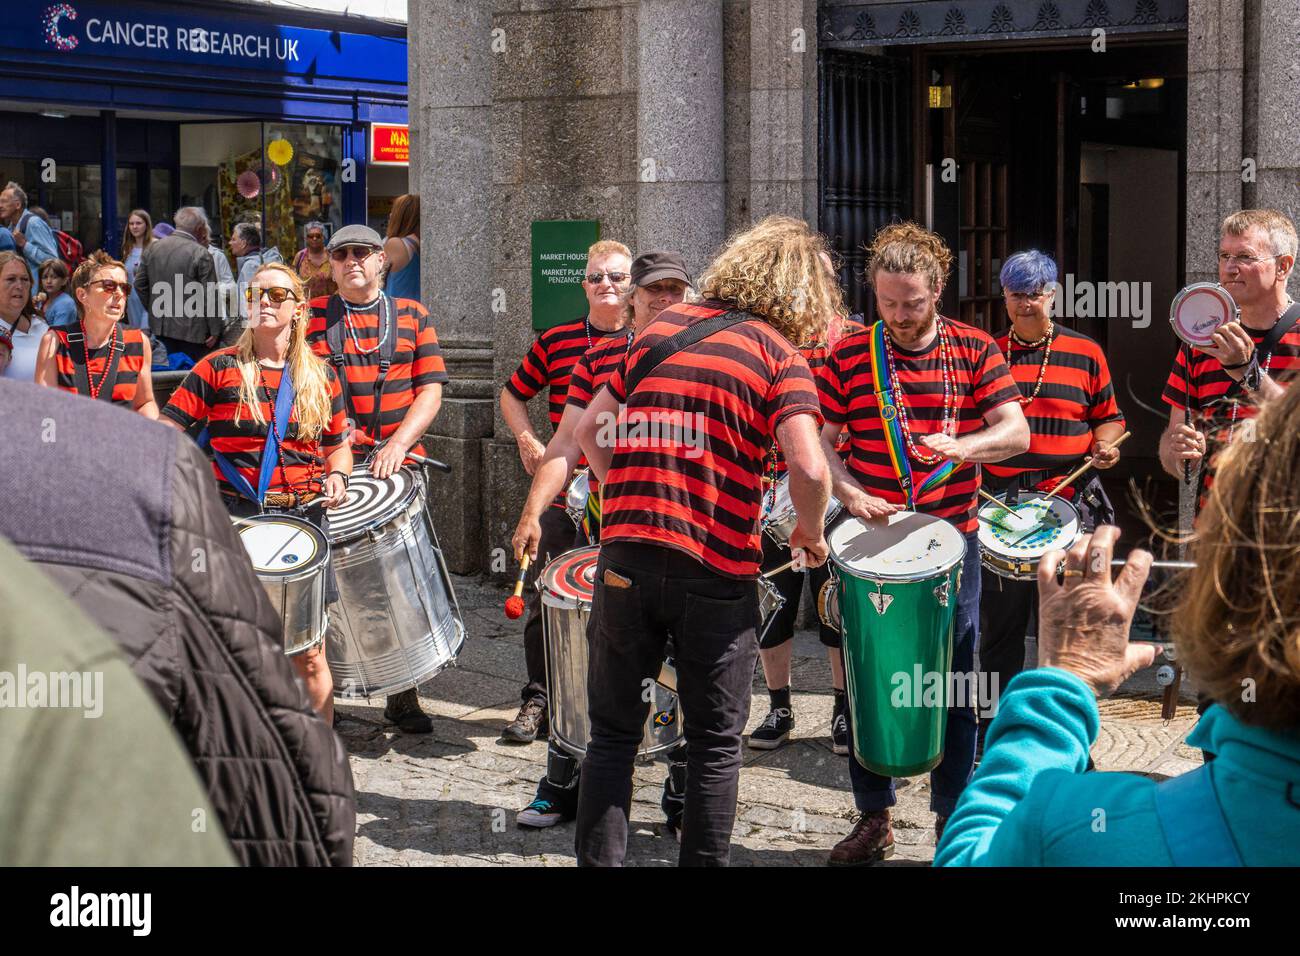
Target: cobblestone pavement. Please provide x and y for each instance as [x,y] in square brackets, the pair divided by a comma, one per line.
[450,797]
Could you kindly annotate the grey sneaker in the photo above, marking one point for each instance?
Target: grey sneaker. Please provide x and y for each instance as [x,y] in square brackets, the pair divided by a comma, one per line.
[774,730]
[529,723]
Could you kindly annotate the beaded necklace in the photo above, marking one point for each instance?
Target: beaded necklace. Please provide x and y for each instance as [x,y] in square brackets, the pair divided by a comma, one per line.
[385,320]
[949,395]
[108,362]
[1046,340]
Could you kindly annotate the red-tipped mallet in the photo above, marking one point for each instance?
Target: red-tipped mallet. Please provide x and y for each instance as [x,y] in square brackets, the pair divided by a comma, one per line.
[515,603]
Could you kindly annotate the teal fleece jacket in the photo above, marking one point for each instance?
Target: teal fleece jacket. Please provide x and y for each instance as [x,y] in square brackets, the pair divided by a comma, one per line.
[1031,804]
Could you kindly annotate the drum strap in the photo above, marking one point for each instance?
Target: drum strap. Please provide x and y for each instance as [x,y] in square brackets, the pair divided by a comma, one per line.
[666,348]
[1192,819]
[335,333]
[895,441]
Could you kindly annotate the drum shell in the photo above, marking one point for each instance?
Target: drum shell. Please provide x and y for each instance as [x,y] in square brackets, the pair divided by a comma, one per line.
[564,625]
[298,598]
[912,638]
[396,622]
[780,524]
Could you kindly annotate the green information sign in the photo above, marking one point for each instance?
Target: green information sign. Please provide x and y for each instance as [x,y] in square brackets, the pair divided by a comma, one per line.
[559,257]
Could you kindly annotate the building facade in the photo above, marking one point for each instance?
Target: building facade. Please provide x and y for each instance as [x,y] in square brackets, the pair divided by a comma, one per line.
[145,104]
[1114,134]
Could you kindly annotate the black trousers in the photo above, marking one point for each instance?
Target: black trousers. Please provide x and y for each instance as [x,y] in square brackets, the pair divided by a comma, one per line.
[558,536]
[714,622]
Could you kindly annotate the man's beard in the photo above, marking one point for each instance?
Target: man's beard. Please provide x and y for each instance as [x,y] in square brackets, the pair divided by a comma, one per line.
[912,333]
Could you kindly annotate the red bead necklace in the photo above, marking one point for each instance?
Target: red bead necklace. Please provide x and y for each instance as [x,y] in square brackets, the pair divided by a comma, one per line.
[949,396]
[108,362]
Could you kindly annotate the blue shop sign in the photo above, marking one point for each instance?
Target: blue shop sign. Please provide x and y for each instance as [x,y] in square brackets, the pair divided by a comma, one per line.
[78,31]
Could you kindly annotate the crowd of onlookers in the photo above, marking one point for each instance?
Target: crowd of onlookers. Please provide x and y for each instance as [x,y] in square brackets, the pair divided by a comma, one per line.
[186,290]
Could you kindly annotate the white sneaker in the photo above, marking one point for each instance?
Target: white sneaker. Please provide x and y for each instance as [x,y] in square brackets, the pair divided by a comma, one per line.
[539,814]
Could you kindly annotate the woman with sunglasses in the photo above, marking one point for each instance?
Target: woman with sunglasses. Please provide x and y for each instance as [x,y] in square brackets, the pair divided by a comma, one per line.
[98,356]
[232,393]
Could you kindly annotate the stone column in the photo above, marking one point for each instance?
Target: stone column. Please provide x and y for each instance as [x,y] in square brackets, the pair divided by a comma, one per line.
[1276,145]
[679,129]
[449,64]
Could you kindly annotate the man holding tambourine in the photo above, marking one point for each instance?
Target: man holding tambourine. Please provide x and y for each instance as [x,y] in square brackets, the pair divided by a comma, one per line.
[1239,347]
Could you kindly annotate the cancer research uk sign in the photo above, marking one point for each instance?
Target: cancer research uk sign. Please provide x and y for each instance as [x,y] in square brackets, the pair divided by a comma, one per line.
[559,257]
[80,31]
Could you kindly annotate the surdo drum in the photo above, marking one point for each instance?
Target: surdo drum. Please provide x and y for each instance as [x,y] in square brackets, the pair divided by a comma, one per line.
[895,602]
[396,622]
[1015,554]
[290,557]
[567,586]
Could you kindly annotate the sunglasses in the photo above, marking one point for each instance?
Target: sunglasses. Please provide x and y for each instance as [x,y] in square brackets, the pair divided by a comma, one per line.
[110,286]
[360,253]
[276,294]
[618,278]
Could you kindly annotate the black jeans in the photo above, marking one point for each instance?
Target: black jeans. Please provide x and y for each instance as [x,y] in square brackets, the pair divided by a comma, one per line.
[558,536]
[714,621]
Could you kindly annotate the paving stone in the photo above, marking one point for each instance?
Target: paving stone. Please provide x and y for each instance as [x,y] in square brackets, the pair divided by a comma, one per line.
[450,798]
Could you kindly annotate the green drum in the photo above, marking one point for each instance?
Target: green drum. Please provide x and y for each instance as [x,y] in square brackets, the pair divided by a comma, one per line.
[894,603]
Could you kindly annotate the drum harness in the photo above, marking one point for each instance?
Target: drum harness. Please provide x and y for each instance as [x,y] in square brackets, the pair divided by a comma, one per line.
[336,326]
[75,339]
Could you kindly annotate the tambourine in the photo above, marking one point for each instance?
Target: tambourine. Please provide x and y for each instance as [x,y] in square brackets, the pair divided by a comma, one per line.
[1199,311]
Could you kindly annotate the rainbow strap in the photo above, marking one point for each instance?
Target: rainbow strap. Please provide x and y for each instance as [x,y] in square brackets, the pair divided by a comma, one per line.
[894,439]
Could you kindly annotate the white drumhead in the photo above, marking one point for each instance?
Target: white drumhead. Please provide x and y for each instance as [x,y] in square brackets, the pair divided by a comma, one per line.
[1056,525]
[372,501]
[281,544]
[908,546]
[1199,310]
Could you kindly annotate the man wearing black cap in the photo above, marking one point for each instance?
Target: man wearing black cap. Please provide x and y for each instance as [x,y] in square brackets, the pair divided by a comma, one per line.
[659,279]
[386,354]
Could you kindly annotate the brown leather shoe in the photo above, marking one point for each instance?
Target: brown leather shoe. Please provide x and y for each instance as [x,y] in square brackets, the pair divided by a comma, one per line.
[939,823]
[529,723]
[870,841]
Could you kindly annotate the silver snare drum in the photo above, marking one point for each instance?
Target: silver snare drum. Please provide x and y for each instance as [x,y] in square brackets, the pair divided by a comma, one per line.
[566,584]
[575,495]
[396,622]
[778,517]
[290,556]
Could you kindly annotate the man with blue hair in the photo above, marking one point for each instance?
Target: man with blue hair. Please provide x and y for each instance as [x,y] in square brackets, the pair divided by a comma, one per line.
[1069,402]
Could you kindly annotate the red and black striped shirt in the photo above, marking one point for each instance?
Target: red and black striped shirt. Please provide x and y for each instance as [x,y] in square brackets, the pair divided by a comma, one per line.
[981,380]
[129,366]
[549,363]
[816,356]
[1076,397]
[417,360]
[688,459]
[210,395]
[1212,394]
[590,373]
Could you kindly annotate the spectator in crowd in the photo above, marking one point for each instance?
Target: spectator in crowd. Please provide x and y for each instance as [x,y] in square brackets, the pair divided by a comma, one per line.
[1236,628]
[31,234]
[162,230]
[177,281]
[158,565]
[139,234]
[229,290]
[246,246]
[21,328]
[402,249]
[53,303]
[312,263]
[117,790]
[7,243]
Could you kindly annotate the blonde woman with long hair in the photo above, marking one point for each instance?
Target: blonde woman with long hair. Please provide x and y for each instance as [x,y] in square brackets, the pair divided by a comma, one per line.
[231,393]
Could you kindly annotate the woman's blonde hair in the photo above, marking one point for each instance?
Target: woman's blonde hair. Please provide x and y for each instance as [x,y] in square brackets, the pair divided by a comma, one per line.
[772,270]
[1237,624]
[905,248]
[311,399]
[9,256]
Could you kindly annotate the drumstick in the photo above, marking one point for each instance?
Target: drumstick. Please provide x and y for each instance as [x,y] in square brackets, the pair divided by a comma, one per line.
[515,603]
[1018,523]
[1187,405]
[1084,467]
